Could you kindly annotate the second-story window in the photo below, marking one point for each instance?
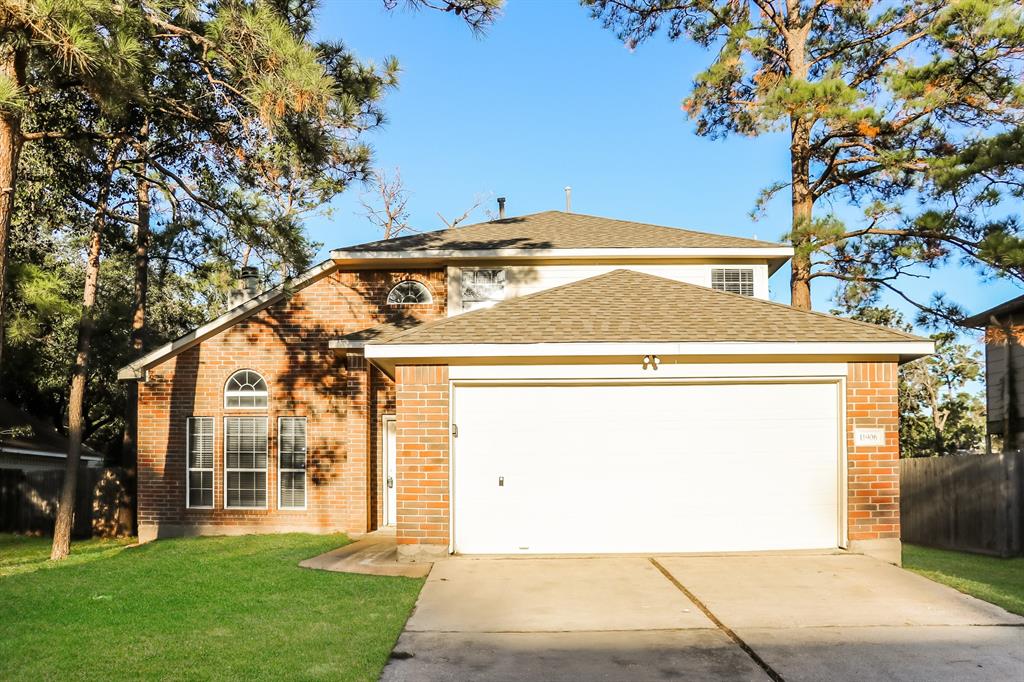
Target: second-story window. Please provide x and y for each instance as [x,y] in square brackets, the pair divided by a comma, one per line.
[482,288]
[246,390]
[734,280]
[409,292]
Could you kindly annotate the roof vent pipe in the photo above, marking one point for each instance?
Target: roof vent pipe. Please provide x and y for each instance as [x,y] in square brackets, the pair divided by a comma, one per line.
[568,199]
[247,286]
[501,208]
[250,280]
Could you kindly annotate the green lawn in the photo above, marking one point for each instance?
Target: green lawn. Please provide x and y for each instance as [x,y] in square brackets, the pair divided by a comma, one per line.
[1000,581]
[198,608]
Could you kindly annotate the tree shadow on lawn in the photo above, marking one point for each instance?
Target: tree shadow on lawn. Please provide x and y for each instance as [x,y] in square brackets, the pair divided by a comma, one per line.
[25,554]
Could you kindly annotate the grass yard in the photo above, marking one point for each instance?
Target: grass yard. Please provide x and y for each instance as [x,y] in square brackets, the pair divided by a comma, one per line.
[999,581]
[197,608]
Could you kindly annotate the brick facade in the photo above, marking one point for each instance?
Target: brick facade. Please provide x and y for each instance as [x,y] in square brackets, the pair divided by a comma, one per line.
[423,461]
[342,399]
[873,471]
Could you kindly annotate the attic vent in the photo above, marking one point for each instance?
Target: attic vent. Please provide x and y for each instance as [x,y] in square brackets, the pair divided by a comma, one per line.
[733,280]
[482,287]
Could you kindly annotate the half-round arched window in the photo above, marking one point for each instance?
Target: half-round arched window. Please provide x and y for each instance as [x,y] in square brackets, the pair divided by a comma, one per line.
[245,389]
[409,292]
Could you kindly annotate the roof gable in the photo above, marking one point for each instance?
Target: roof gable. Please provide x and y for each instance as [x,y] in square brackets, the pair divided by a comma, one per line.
[627,306]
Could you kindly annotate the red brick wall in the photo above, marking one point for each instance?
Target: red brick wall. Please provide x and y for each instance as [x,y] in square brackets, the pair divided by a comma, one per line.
[288,344]
[422,425]
[873,471]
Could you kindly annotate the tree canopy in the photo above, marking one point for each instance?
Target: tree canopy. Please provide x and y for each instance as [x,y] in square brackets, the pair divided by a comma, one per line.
[909,109]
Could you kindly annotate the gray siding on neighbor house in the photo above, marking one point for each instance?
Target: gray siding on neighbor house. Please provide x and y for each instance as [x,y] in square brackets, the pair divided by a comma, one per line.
[1000,356]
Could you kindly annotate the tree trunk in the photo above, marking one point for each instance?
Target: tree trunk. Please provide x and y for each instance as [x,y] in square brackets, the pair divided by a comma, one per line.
[803,205]
[800,164]
[12,65]
[142,236]
[79,372]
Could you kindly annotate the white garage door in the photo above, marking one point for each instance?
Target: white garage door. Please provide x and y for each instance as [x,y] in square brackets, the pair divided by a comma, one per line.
[645,468]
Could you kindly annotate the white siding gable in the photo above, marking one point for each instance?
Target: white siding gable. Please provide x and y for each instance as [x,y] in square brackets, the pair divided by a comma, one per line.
[528,279]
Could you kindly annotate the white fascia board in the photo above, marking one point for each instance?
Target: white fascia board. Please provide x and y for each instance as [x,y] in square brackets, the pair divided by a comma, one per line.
[904,349]
[135,369]
[344,344]
[521,254]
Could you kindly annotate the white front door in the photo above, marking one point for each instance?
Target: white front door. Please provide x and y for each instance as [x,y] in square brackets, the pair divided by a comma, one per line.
[390,466]
[570,468]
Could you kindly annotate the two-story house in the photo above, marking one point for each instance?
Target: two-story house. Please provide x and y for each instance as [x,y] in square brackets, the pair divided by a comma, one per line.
[549,383]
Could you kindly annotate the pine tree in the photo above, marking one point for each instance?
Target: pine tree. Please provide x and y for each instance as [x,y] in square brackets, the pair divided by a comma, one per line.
[227,112]
[879,99]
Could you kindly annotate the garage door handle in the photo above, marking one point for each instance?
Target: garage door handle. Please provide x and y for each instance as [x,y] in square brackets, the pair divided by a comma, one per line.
[501,481]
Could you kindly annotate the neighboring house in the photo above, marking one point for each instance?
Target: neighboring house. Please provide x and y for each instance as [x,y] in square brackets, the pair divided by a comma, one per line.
[1004,371]
[551,383]
[30,444]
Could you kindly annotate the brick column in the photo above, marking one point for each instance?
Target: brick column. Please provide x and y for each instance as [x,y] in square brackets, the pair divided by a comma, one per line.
[873,499]
[422,470]
[357,444]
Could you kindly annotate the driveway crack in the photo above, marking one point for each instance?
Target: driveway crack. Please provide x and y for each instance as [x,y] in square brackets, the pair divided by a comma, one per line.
[747,649]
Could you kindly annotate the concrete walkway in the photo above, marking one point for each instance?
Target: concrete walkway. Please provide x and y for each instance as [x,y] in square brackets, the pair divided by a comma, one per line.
[373,554]
[799,617]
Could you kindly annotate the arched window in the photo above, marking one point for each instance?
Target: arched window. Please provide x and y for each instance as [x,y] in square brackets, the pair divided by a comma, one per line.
[409,292]
[245,389]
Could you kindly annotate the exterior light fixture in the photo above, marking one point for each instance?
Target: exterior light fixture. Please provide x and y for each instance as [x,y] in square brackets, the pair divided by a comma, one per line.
[651,362]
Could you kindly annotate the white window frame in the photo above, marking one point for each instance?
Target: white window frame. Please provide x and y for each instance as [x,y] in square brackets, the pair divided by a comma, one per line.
[282,470]
[424,287]
[740,269]
[476,305]
[228,393]
[189,468]
[265,470]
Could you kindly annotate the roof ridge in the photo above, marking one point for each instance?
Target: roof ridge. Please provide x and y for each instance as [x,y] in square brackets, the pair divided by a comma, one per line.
[658,225]
[451,232]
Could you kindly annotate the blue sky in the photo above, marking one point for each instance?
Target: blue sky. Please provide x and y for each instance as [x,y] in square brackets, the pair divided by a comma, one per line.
[549,98]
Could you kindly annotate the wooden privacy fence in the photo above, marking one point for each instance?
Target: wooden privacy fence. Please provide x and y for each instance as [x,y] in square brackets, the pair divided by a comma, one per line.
[28,502]
[973,503]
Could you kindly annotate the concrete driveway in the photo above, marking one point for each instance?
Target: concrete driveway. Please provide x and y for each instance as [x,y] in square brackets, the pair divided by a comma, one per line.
[786,617]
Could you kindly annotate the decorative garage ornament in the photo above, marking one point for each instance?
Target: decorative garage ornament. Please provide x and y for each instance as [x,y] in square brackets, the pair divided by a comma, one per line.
[651,362]
[409,292]
[869,437]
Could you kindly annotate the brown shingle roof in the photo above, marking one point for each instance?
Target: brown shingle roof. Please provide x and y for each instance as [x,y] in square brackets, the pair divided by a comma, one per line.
[381,332]
[558,230]
[626,306]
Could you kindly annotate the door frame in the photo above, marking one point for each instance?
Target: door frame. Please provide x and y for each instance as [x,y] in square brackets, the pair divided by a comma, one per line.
[842,482]
[386,469]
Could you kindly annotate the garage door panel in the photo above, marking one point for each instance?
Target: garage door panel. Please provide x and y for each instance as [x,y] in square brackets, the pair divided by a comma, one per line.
[646,468]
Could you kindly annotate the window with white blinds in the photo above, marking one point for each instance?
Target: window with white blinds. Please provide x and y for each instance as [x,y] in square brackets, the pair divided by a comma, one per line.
[199,479]
[291,457]
[245,462]
[734,280]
